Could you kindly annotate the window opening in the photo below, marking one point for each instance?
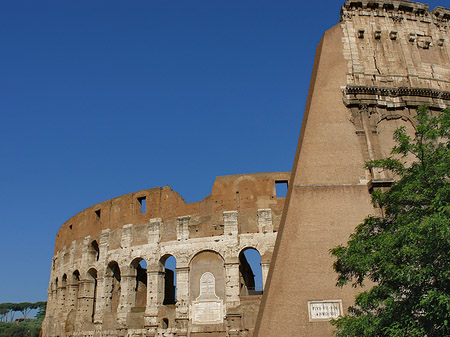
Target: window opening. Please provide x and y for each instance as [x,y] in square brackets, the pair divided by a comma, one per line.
[92,288]
[95,250]
[281,188]
[98,213]
[141,283]
[250,272]
[113,287]
[170,281]
[143,204]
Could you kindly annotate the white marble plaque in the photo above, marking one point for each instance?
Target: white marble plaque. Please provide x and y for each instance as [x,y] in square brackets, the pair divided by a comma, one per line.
[207,307]
[207,312]
[324,310]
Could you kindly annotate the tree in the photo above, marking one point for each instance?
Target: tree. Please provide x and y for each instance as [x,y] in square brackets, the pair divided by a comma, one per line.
[405,252]
[26,327]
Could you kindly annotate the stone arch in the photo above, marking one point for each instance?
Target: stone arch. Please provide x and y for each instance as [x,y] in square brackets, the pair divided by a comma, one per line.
[63,294]
[394,116]
[168,279]
[250,272]
[138,269]
[205,250]
[241,179]
[93,252]
[73,290]
[55,295]
[72,301]
[112,287]
[90,294]
[206,261]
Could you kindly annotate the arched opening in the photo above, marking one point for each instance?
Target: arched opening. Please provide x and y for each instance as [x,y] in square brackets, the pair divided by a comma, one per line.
[140,289]
[91,292]
[55,296]
[112,287]
[169,264]
[250,272]
[63,292]
[72,301]
[207,287]
[73,289]
[94,251]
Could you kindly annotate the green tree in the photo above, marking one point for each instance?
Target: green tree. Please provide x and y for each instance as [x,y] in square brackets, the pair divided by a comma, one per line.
[406,251]
[24,328]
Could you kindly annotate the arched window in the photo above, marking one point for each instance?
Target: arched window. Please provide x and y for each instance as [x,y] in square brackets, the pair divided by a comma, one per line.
[63,292]
[94,251]
[55,296]
[140,268]
[112,287]
[91,292]
[73,290]
[250,271]
[170,279]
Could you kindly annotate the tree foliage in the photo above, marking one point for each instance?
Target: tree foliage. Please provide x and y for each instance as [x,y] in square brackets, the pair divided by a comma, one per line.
[406,251]
[22,328]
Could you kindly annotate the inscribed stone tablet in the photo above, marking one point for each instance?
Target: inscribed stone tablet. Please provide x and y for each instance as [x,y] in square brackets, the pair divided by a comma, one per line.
[324,310]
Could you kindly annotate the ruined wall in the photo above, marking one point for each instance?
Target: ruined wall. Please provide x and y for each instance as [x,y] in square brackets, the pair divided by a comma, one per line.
[370,73]
[109,277]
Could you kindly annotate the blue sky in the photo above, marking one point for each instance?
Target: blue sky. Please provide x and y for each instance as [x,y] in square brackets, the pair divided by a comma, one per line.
[104,98]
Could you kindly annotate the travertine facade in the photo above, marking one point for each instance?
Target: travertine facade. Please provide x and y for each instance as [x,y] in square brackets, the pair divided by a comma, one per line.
[99,285]
[371,72]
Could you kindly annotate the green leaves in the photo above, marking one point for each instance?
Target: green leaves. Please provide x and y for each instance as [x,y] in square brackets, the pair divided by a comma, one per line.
[406,252]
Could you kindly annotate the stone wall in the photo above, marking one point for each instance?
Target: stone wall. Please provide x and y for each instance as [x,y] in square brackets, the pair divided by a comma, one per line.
[371,72]
[101,286]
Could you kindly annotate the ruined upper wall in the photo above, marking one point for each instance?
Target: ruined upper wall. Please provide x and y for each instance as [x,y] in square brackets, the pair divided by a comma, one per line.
[397,44]
[245,193]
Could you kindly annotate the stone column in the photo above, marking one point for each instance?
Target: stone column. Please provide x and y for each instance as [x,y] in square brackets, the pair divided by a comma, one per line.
[103,249]
[86,299]
[61,300]
[265,271]
[99,300]
[182,289]
[127,296]
[155,295]
[54,301]
[72,295]
[155,277]
[85,251]
[182,326]
[230,220]
[183,227]
[265,224]
[232,284]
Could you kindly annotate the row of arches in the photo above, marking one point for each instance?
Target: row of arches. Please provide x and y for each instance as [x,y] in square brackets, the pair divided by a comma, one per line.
[69,291]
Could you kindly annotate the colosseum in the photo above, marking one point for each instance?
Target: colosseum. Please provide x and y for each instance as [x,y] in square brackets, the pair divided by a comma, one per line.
[110,273]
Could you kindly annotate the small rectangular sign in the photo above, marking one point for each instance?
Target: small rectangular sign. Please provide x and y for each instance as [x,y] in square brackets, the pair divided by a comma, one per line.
[324,310]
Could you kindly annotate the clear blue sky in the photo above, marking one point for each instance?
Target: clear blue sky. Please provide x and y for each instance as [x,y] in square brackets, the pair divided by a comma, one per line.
[104,98]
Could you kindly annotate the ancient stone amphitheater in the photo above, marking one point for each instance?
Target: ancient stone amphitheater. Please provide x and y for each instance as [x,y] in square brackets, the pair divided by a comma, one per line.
[109,273]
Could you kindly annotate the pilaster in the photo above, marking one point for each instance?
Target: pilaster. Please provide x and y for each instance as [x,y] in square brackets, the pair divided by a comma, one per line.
[265,224]
[183,227]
